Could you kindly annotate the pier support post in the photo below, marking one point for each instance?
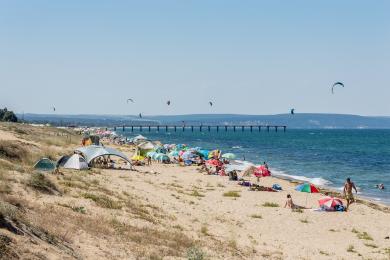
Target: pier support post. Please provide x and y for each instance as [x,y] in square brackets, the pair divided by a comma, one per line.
[225,128]
[234,128]
[217,128]
[284,128]
[158,128]
[242,128]
[192,128]
[149,128]
[132,128]
[175,128]
[140,128]
[166,128]
[251,128]
[208,128]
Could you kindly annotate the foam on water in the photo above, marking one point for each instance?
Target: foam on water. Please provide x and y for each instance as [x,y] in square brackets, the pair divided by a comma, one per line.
[316,181]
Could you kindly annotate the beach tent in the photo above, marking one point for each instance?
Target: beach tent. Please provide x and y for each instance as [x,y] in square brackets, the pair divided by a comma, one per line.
[94,151]
[76,162]
[62,160]
[45,164]
[146,146]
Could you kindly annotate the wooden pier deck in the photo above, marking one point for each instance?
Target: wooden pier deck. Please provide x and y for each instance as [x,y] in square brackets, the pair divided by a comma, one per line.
[207,128]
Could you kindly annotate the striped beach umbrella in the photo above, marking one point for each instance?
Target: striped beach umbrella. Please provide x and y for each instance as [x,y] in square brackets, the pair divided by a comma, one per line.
[307,187]
[330,202]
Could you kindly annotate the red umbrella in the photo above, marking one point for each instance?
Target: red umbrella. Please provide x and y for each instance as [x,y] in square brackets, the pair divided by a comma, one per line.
[262,171]
[330,202]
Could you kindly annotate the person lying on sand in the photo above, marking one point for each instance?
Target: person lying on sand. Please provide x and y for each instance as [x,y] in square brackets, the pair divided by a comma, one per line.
[290,204]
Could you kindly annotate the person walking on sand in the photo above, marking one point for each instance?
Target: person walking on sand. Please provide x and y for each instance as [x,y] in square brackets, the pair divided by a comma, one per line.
[348,192]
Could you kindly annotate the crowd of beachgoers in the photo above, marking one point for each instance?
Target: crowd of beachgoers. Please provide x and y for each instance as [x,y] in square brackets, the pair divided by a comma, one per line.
[210,162]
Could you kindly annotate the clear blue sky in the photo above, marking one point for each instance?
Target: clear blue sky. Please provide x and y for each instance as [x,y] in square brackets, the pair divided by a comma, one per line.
[254,57]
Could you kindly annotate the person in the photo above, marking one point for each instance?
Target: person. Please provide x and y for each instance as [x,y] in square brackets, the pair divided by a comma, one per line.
[380,186]
[290,204]
[348,186]
[149,160]
[266,165]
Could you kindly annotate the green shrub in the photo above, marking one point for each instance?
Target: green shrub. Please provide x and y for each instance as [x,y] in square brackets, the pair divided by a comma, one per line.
[194,253]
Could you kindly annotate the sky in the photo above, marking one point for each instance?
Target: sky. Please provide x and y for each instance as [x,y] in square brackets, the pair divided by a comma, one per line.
[247,57]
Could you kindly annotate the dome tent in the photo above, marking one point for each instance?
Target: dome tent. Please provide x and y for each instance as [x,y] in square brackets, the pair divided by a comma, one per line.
[76,162]
[45,164]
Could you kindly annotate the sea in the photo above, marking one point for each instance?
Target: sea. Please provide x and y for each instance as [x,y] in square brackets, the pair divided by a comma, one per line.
[323,157]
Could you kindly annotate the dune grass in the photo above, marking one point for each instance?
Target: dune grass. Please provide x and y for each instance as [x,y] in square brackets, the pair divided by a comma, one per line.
[362,235]
[233,194]
[103,201]
[270,204]
[42,183]
[256,216]
[351,249]
[304,220]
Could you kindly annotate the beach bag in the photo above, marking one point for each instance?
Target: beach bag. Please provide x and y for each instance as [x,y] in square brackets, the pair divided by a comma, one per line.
[276,187]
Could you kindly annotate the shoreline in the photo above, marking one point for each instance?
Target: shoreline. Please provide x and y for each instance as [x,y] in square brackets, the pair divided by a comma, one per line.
[333,190]
[336,193]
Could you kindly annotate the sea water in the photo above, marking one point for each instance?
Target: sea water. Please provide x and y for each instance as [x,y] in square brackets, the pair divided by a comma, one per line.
[322,157]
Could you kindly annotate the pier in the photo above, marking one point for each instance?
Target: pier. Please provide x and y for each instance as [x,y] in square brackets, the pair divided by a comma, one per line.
[202,128]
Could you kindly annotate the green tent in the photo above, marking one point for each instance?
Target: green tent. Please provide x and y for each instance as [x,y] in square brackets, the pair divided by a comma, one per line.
[45,164]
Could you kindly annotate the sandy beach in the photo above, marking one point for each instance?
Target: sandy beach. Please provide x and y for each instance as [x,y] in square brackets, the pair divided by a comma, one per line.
[172,212]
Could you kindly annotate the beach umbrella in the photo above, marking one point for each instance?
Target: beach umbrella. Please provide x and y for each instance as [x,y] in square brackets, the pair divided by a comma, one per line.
[174,153]
[262,171]
[162,157]
[150,154]
[214,153]
[229,156]
[204,153]
[188,155]
[330,202]
[307,187]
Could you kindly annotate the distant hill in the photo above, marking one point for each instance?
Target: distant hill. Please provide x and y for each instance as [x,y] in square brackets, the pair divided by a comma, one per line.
[310,121]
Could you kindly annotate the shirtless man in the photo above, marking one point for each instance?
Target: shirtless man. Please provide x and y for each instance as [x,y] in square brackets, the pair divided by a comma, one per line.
[348,192]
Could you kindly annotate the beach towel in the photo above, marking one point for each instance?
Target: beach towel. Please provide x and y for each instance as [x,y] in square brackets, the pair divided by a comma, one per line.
[245,183]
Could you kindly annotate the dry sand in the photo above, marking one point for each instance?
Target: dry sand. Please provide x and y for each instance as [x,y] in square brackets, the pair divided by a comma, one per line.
[245,221]
[174,208]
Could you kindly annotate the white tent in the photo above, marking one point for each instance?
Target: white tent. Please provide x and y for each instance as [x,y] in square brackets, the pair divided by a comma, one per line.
[76,162]
[93,151]
[146,146]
